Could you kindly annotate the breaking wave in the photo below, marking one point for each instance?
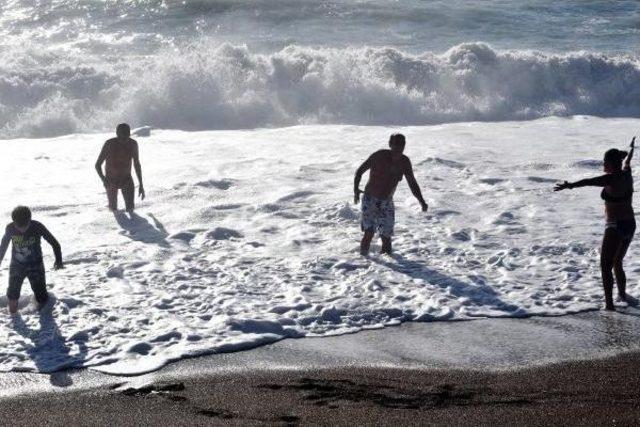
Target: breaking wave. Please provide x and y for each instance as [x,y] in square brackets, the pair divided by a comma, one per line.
[207,86]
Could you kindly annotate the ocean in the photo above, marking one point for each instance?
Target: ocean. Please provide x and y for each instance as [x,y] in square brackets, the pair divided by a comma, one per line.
[80,66]
[259,113]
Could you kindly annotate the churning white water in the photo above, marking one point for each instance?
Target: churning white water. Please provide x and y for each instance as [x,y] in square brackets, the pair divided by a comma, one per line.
[260,113]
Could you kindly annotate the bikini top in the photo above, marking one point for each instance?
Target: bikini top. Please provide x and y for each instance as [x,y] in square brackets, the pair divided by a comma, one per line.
[626,197]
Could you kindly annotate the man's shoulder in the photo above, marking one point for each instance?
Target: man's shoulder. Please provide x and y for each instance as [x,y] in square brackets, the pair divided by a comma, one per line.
[9,227]
[37,225]
[381,154]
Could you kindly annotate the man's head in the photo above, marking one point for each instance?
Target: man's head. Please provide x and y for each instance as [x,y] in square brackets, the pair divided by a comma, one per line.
[123,131]
[21,217]
[397,143]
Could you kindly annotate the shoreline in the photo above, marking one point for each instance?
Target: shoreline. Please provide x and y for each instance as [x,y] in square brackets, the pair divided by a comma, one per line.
[589,392]
[482,345]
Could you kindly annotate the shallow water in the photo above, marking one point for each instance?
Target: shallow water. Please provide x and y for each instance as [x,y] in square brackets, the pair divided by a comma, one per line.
[248,237]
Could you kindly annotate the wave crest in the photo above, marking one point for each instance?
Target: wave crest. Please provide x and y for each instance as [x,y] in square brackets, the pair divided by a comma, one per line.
[208,86]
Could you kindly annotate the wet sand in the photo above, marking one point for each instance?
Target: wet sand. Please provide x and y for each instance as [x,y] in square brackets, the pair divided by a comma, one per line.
[579,369]
[595,392]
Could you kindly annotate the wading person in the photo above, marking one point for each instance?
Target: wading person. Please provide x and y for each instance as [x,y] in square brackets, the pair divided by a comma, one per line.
[118,154]
[620,223]
[386,169]
[26,256]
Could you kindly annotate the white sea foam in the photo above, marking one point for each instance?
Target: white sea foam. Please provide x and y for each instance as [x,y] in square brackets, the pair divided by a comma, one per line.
[248,237]
[212,86]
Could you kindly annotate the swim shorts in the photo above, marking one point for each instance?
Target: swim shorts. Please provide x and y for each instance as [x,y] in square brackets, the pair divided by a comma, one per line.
[378,215]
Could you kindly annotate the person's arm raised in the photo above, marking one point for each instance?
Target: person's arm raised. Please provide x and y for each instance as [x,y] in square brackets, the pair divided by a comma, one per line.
[627,162]
[356,181]
[138,168]
[413,185]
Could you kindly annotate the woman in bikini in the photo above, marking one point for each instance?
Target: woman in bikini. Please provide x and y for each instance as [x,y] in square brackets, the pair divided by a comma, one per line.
[617,193]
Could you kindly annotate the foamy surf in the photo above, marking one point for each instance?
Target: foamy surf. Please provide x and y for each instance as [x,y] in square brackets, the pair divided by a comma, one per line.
[249,237]
[212,86]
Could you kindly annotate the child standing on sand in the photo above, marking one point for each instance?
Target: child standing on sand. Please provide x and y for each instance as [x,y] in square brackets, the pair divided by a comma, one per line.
[26,256]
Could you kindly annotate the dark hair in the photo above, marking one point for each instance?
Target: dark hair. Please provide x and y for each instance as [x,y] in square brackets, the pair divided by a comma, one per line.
[123,128]
[397,138]
[21,216]
[615,157]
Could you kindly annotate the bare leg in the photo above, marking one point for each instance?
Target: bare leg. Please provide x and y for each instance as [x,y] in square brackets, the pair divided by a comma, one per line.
[365,244]
[386,245]
[38,282]
[621,277]
[112,196]
[128,194]
[610,244]
[13,306]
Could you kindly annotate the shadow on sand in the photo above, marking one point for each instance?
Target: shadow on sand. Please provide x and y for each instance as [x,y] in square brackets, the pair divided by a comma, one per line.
[140,229]
[478,292]
[51,352]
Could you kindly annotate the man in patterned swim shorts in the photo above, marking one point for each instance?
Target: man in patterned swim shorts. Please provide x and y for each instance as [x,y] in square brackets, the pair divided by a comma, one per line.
[386,169]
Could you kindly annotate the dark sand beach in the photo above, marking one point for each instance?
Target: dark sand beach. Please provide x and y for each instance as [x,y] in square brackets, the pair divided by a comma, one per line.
[596,392]
[570,370]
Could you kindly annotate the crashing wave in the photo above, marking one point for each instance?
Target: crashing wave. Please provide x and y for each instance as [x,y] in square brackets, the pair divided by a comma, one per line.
[209,86]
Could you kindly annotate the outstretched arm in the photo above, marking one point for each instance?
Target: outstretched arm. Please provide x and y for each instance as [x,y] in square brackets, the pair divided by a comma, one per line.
[101,158]
[413,185]
[356,181]
[627,162]
[599,181]
[57,251]
[138,169]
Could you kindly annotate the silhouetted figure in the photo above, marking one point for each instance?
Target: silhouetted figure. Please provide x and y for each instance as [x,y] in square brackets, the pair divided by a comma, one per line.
[26,256]
[119,153]
[386,169]
[620,223]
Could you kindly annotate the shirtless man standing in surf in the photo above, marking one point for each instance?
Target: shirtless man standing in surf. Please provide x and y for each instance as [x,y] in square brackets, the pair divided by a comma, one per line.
[387,167]
[119,153]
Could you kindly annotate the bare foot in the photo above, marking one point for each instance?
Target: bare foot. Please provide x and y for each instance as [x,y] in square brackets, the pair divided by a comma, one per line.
[42,305]
[13,307]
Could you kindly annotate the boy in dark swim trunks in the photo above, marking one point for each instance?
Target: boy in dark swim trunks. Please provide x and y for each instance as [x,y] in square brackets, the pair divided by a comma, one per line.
[119,153]
[26,256]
